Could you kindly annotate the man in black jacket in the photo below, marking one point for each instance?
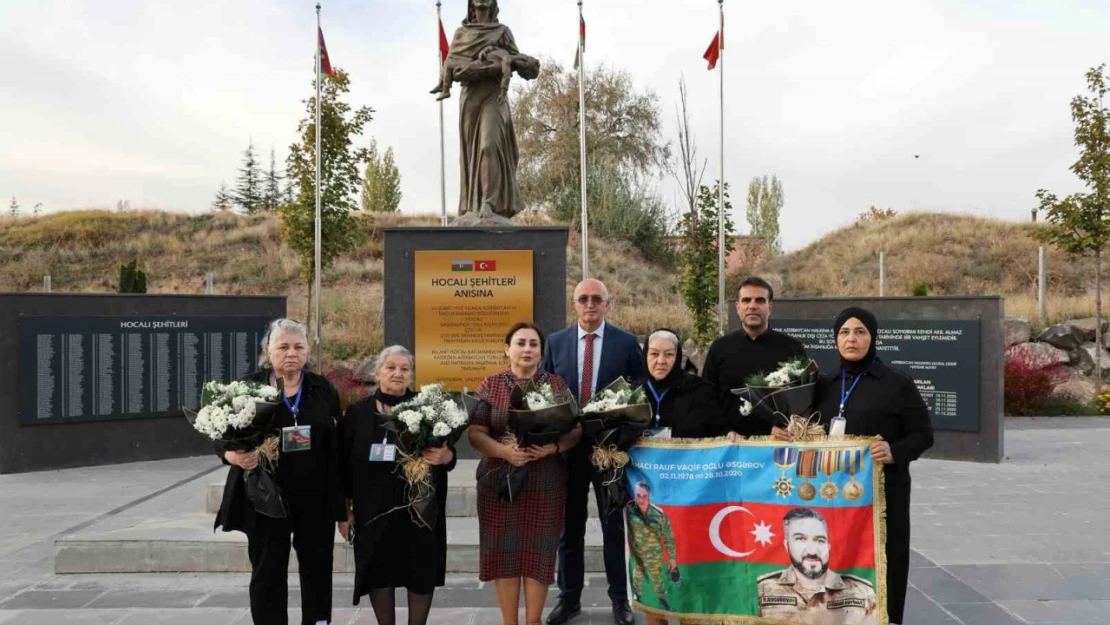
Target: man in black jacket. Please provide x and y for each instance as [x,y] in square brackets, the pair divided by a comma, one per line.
[754,348]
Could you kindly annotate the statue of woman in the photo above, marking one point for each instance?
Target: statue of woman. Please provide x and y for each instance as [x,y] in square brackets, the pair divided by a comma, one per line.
[483,51]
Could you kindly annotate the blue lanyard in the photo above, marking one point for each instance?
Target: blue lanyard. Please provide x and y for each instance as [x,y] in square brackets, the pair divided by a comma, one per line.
[844,396]
[658,401]
[294,407]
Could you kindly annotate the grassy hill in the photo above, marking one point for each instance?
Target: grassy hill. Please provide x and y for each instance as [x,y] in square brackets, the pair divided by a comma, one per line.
[83,250]
[945,254]
[948,254]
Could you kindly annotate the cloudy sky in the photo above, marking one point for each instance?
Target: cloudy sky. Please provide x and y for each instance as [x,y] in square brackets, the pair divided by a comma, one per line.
[153,101]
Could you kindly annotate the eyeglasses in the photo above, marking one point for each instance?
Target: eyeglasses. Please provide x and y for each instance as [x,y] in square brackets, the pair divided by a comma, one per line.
[586,299]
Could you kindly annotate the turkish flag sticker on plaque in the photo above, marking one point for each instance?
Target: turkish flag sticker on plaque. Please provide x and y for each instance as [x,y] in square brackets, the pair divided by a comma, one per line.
[485,265]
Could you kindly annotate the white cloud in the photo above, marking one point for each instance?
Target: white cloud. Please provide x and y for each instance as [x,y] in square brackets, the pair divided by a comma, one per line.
[154,101]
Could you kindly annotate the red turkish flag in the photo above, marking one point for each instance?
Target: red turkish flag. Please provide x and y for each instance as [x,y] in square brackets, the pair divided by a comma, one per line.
[485,265]
[444,47]
[713,53]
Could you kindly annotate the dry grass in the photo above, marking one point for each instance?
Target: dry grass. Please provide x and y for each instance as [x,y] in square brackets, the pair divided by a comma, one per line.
[82,251]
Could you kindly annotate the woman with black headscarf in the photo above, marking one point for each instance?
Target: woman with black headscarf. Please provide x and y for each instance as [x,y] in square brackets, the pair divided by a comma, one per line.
[874,399]
[683,402]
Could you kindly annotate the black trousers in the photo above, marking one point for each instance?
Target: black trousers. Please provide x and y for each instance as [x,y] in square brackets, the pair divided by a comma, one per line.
[312,529]
[572,543]
[897,545]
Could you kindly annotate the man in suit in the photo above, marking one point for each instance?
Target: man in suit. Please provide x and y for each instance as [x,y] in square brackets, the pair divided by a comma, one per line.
[588,356]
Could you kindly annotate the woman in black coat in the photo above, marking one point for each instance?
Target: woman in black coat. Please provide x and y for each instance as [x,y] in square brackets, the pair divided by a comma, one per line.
[683,402]
[877,400]
[390,549]
[308,481]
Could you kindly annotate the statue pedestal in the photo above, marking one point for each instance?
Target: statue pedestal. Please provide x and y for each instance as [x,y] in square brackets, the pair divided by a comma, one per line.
[452,293]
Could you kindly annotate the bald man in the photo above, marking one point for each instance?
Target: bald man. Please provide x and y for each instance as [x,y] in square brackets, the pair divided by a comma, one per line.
[588,356]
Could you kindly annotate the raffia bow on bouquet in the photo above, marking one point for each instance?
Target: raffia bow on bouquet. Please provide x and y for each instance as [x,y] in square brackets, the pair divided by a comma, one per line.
[431,419]
[614,419]
[538,416]
[239,416]
[777,396]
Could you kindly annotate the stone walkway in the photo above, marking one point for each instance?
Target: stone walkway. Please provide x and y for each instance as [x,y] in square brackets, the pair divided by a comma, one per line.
[1023,542]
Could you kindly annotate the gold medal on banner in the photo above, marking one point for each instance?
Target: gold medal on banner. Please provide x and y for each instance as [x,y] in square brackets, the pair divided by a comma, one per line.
[829,463]
[852,462]
[785,459]
[807,469]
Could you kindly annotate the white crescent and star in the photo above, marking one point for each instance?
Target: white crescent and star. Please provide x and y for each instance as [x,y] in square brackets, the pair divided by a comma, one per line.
[763,534]
[483,265]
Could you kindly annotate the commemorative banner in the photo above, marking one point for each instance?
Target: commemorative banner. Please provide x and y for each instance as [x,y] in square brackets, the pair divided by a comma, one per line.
[757,532]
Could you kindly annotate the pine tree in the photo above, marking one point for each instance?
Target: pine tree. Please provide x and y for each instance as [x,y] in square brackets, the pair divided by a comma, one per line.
[15,208]
[381,187]
[37,209]
[249,187]
[223,200]
[272,196]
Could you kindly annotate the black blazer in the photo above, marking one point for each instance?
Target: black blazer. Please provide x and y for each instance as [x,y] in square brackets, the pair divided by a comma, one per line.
[320,407]
[690,409]
[886,402]
[620,357]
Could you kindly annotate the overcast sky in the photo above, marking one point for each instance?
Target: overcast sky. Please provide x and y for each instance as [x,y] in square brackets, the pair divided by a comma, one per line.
[153,101]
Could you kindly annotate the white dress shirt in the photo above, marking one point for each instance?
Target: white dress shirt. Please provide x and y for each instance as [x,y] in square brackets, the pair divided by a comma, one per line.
[599,333]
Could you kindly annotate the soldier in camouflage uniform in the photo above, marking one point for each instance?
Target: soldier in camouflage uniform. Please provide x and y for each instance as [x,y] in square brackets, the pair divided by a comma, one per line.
[649,538]
[809,593]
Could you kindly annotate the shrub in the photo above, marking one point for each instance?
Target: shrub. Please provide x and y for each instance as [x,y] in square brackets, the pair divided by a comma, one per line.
[920,290]
[350,389]
[131,278]
[1027,385]
[1102,402]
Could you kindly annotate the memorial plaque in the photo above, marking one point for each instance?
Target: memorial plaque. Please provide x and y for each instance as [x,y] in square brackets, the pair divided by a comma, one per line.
[101,368]
[941,356]
[464,302]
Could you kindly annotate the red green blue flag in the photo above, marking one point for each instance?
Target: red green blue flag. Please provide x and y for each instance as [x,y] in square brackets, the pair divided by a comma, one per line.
[729,532]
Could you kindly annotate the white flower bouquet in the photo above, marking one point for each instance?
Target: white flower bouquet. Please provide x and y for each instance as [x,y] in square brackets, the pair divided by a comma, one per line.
[238,416]
[538,416]
[780,394]
[433,418]
[614,419]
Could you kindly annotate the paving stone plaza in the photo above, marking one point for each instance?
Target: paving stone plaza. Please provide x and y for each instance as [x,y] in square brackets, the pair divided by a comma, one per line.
[1026,541]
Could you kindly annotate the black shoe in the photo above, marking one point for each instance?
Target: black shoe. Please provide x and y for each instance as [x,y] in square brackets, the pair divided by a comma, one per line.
[622,613]
[563,612]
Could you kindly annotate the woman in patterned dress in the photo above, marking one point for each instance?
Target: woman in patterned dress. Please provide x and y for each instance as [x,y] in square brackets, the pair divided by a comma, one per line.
[518,540]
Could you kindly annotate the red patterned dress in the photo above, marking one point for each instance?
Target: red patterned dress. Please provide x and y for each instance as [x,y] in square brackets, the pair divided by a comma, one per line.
[518,539]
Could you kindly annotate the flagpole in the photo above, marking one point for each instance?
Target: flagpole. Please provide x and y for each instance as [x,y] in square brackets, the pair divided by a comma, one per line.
[721,181]
[442,158]
[319,325]
[582,142]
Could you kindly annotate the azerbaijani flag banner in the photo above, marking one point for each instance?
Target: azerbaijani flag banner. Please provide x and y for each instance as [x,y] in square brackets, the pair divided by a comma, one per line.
[757,532]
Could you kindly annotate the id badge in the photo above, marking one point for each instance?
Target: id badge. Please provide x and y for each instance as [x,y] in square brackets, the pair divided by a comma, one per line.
[383,453]
[296,438]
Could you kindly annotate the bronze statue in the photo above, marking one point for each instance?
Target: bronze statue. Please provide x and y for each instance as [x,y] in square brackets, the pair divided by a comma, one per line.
[483,57]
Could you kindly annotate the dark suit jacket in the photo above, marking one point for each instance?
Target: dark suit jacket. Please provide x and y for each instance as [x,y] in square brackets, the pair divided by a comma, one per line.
[620,357]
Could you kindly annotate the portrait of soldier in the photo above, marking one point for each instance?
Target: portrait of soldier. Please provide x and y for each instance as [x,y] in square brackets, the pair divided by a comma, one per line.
[650,542]
[808,592]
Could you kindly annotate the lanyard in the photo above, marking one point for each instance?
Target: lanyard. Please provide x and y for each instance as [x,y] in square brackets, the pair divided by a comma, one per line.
[844,396]
[658,401]
[295,407]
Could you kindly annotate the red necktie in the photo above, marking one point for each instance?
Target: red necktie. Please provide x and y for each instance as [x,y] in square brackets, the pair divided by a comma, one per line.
[586,389]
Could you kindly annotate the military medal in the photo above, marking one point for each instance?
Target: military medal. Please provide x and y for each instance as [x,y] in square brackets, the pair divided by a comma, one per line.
[852,461]
[829,461]
[807,469]
[785,459]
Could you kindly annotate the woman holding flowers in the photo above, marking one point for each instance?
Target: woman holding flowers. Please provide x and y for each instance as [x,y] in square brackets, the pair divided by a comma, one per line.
[391,550]
[307,478]
[875,400]
[682,402]
[518,538]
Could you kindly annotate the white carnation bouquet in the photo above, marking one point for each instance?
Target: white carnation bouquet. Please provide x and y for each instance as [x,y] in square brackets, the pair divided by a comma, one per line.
[616,396]
[780,395]
[239,417]
[232,406]
[432,418]
[540,396]
[613,420]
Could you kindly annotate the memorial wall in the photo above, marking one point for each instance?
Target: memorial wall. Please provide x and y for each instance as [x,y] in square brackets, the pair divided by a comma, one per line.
[102,379]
